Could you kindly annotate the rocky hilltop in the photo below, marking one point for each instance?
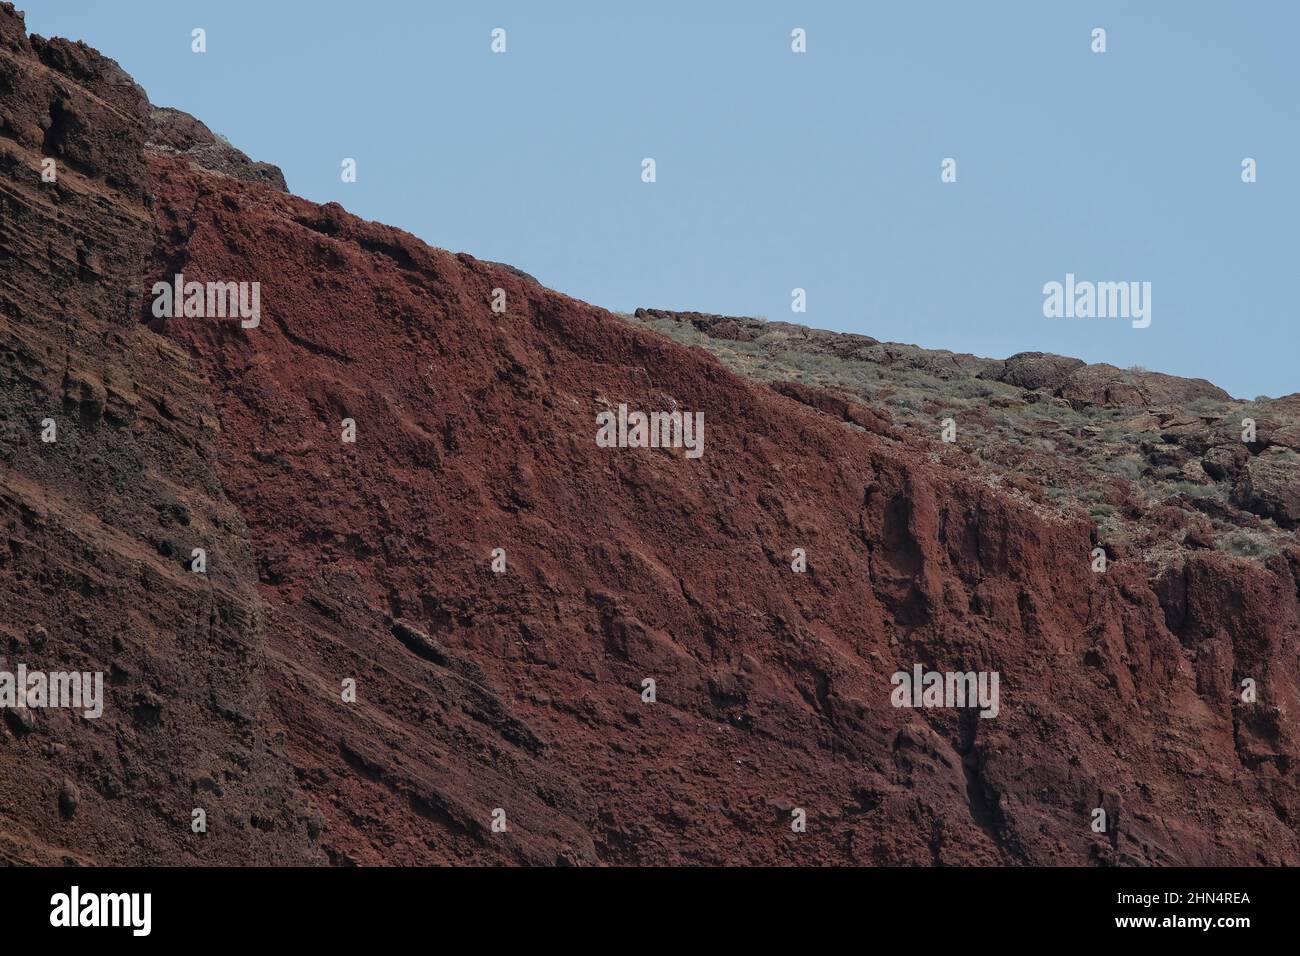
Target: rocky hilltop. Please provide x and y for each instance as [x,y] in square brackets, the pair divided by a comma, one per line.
[357,677]
[1164,464]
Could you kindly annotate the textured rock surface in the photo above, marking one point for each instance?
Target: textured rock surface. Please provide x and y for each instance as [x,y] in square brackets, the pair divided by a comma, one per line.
[521,691]
[475,431]
[1058,375]
[177,133]
[98,526]
[1270,486]
[1151,458]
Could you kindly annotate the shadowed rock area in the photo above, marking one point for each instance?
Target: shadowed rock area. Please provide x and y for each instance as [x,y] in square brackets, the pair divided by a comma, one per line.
[371,561]
[98,526]
[175,133]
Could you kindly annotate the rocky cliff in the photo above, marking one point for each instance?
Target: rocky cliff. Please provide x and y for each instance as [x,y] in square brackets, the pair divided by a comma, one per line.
[448,622]
[107,484]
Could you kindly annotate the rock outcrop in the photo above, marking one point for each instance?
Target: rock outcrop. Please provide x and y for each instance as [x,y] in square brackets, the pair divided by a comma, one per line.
[176,133]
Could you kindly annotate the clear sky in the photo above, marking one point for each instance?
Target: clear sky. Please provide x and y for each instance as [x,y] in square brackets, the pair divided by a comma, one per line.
[778,170]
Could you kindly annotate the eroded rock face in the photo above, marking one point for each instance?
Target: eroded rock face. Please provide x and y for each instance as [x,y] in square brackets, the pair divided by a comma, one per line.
[1269,485]
[174,132]
[98,526]
[476,431]
[45,109]
[476,691]
[836,406]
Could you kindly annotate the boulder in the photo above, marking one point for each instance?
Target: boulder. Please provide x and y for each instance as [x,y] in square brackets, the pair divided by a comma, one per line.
[1035,370]
[1270,486]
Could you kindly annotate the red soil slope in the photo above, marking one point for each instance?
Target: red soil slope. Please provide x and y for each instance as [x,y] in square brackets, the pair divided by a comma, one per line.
[521,691]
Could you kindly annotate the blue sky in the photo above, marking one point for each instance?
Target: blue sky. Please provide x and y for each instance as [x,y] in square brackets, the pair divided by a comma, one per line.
[778,170]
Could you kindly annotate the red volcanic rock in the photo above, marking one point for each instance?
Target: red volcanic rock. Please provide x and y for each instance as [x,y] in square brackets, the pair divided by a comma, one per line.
[368,566]
[837,406]
[174,132]
[475,431]
[97,528]
[1269,485]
